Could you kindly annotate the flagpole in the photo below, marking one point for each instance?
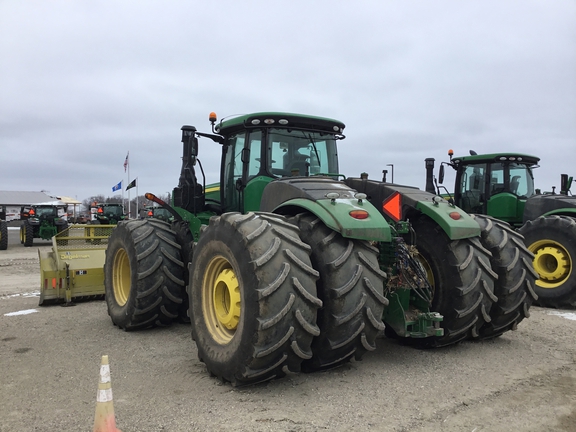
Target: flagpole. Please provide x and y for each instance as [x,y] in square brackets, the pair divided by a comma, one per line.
[137,210]
[129,206]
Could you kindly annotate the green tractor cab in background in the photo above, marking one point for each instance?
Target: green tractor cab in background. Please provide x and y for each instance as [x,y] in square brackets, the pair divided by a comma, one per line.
[159,213]
[108,214]
[501,185]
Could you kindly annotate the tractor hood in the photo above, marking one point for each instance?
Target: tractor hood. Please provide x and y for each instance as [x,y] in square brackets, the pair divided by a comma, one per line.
[335,203]
[312,188]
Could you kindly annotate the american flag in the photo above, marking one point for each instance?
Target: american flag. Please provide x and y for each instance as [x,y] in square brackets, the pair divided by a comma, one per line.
[126,162]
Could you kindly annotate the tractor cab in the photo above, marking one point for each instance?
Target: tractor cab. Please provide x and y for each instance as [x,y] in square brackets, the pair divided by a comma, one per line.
[158,213]
[108,214]
[257,149]
[40,212]
[494,184]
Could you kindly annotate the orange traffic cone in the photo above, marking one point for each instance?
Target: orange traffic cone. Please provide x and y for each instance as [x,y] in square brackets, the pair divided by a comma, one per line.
[104,420]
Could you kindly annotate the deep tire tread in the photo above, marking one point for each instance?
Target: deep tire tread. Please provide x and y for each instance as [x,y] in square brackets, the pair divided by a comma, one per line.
[463,283]
[351,287]
[157,281]
[3,235]
[512,262]
[279,302]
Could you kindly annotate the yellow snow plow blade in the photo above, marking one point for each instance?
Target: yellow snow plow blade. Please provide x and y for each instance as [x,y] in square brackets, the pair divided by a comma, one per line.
[74,268]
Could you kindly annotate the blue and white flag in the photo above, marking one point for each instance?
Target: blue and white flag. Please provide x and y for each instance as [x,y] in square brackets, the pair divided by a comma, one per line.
[117,187]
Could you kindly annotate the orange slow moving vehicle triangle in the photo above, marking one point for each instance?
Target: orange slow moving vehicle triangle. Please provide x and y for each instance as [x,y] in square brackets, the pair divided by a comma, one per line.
[392,206]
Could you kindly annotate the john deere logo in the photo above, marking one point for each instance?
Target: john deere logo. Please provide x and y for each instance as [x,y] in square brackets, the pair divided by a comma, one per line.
[69,255]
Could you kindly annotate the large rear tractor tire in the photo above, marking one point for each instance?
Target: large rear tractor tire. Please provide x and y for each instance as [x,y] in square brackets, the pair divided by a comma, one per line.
[462,279]
[512,261]
[3,235]
[26,234]
[144,274]
[351,287]
[552,240]
[253,298]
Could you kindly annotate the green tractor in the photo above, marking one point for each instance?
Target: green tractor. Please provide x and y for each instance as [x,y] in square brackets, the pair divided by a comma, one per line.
[158,212]
[502,186]
[108,214]
[287,265]
[40,221]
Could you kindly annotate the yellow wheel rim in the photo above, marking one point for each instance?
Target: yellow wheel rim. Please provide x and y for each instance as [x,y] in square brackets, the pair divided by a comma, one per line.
[427,269]
[552,262]
[121,277]
[221,300]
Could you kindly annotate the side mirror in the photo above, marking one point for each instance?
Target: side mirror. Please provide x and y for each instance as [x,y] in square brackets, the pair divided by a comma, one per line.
[441,174]
[245,156]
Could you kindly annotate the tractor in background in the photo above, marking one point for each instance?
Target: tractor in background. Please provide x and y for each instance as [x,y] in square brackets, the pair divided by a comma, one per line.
[158,212]
[501,185]
[108,214]
[285,264]
[40,221]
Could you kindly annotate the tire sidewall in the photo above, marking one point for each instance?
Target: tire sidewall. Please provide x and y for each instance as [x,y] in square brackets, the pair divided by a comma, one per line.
[226,242]
[120,239]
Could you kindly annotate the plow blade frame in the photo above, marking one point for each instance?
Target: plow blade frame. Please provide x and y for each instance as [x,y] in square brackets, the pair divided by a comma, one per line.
[74,268]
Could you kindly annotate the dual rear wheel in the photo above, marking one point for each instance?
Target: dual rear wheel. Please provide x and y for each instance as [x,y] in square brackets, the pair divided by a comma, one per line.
[274,295]
[552,240]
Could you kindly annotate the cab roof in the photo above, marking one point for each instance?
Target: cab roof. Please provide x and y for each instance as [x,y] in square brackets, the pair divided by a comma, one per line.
[496,157]
[279,120]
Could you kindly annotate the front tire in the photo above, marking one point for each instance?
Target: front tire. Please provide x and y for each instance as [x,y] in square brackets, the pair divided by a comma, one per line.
[26,234]
[144,275]
[3,235]
[252,298]
[462,280]
[512,261]
[351,287]
[552,240]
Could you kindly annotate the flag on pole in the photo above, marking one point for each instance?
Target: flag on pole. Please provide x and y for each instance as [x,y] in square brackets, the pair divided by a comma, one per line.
[117,187]
[126,162]
[131,184]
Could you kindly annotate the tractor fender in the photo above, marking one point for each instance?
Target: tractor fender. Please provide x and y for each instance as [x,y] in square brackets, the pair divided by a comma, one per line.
[293,195]
[562,212]
[547,205]
[413,203]
[571,212]
[193,221]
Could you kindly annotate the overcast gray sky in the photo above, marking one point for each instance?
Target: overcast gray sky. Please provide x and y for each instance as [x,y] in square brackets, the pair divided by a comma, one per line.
[84,82]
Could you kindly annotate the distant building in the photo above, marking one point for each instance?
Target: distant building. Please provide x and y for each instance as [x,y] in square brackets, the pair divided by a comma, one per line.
[12,201]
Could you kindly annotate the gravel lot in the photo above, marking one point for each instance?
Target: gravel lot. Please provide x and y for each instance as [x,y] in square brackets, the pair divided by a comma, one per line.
[50,358]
